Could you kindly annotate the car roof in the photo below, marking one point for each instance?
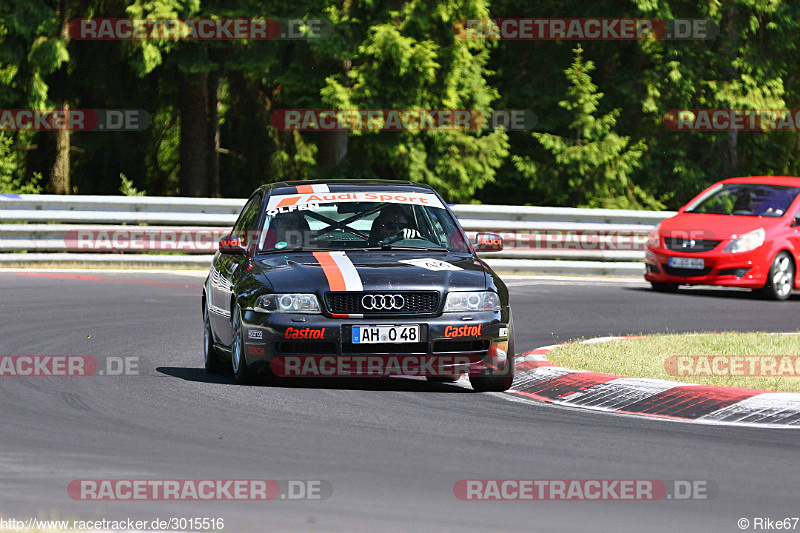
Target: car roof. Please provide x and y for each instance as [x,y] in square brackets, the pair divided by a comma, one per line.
[345,185]
[788,181]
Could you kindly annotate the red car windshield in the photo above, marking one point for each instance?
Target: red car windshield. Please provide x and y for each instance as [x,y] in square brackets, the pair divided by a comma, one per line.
[746,199]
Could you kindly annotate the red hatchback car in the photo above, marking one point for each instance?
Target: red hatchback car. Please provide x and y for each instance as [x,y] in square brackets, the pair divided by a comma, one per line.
[740,232]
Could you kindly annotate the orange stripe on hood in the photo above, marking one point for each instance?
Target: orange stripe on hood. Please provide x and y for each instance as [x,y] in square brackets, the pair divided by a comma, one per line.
[331,270]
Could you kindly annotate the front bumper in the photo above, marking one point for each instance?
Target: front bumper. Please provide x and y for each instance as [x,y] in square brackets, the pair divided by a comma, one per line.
[747,270]
[485,342]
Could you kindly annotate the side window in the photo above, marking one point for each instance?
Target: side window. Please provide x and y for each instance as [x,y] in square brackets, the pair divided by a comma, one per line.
[454,237]
[248,219]
[430,226]
[796,215]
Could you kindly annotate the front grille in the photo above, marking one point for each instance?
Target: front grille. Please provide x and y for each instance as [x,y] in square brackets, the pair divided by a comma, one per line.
[305,347]
[690,245]
[456,346]
[374,349]
[686,272]
[419,302]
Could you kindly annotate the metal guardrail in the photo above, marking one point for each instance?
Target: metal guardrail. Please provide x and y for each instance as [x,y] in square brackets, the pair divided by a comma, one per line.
[539,240]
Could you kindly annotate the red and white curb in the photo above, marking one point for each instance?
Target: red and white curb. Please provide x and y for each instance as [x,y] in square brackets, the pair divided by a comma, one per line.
[539,379]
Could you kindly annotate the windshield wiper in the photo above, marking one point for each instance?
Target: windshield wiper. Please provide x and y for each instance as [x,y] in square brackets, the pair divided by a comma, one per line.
[296,249]
[384,247]
[392,247]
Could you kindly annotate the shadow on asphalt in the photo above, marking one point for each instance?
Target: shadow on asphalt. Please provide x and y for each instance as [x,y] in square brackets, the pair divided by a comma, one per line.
[726,293]
[399,383]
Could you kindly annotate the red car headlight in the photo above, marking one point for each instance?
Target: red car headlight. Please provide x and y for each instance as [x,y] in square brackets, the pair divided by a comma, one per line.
[747,242]
[653,238]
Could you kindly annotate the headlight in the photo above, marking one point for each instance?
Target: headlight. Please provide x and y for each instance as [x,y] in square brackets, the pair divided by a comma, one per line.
[287,303]
[653,238]
[472,301]
[748,241]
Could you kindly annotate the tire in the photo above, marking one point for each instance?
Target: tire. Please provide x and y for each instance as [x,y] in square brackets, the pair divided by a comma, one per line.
[780,279]
[491,383]
[442,379]
[664,287]
[498,383]
[213,363]
[241,372]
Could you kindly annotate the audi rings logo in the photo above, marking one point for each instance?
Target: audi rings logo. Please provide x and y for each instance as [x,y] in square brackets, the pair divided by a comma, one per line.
[383,302]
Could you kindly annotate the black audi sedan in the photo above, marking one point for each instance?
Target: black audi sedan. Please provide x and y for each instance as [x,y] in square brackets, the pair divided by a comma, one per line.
[356,278]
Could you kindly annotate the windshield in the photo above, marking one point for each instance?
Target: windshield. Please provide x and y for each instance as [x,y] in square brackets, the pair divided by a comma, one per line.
[350,221]
[747,199]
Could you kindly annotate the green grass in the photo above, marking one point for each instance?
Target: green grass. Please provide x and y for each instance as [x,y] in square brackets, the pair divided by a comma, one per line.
[646,357]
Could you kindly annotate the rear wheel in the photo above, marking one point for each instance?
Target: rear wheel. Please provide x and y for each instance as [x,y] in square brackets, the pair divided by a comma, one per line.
[664,287]
[780,279]
[241,372]
[212,362]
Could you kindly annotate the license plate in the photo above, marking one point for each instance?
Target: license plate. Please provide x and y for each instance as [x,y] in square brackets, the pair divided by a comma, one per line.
[385,334]
[687,262]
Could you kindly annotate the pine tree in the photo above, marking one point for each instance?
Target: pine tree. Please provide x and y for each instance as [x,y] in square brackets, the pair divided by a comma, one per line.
[596,164]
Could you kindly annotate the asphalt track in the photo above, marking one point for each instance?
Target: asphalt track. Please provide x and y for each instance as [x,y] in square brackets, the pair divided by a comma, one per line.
[392,449]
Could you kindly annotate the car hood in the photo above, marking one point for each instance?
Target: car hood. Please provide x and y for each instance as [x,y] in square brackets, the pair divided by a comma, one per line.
[713,227]
[373,271]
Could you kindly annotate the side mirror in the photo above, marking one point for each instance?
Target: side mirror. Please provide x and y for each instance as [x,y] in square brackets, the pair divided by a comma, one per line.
[231,245]
[488,242]
[796,221]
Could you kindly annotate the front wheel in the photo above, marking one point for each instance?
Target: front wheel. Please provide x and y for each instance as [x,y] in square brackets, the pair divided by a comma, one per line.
[241,372]
[664,287]
[780,279]
[491,383]
[212,362]
[503,382]
[443,379]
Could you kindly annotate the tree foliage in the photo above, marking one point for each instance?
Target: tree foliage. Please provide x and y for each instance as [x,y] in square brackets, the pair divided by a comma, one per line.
[600,139]
[594,168]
